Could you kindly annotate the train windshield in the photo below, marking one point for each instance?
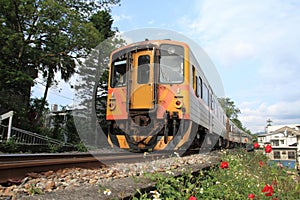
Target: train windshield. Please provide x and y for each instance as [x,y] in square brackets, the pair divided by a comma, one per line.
[118,76]
[171,64]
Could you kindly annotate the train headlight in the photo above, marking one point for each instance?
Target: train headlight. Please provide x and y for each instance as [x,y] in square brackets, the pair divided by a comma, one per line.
[178,103]
[112,104]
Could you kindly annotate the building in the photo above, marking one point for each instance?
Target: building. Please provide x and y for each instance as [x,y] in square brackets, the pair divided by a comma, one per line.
[280,136]
[285,141]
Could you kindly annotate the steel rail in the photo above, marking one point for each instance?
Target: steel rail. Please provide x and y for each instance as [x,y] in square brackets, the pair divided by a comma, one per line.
[15,167]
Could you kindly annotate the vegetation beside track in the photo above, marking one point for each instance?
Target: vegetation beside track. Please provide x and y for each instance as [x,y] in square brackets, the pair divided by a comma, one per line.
[12,147]
[240,175]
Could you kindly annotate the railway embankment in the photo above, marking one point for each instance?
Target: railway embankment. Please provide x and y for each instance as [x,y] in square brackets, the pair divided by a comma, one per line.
[120,179]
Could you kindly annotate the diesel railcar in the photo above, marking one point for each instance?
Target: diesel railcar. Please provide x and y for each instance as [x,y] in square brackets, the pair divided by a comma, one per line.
[159,99]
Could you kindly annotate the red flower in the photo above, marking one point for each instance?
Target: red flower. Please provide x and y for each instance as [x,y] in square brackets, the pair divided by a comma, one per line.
[268,148]
[251,196]
[224,165]
[268,190]
[256,145]
[261,163]
[192,198]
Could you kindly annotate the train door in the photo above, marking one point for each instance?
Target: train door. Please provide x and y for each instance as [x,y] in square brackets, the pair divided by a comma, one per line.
[142,80]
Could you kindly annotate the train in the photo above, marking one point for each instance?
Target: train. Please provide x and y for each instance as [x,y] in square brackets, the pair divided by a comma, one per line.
[159,99]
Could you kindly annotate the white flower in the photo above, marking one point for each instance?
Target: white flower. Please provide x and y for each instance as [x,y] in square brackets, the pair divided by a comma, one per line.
[169,172]
[145,154]
[155,195]
[177,154]
[217,182]
[201,190]
[107,192]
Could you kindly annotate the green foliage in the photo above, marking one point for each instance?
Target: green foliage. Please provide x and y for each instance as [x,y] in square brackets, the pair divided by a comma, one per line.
[81,147]
[10,145]
[229,107]
[232,112]
[248,173]
[46,36]
[34,190]
[53,148]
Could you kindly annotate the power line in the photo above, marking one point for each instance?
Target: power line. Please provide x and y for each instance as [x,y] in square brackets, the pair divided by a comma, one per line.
[52,92]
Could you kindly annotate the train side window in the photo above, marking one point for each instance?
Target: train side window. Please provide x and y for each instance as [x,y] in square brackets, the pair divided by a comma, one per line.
[194,78]
[205,94]
[143,69]
[118,72]
[200,87]
[197,86]
[276,155]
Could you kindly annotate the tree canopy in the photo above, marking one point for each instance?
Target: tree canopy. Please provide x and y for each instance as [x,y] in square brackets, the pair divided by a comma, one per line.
[46,36]
[232,112]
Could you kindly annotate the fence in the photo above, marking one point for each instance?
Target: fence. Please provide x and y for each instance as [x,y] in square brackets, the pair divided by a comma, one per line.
[20,136]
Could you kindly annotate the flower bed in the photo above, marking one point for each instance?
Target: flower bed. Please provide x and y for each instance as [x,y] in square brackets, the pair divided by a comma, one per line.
[240,175]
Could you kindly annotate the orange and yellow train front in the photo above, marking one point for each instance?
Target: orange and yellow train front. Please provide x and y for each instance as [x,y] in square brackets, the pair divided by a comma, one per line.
[148,96]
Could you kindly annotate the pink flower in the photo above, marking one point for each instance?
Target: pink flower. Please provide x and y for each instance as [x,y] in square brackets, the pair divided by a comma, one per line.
[280,165]
[268,148]
[224,165]
[261,163]
[268,190]
[251,196]
[256,145]
[192,198]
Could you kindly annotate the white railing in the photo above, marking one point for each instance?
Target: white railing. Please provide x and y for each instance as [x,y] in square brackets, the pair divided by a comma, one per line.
[4,116]
[20,136]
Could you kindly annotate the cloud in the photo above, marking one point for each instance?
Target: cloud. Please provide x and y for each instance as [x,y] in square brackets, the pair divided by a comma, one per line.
[254,115]
[256,46]
[118,18]
[235,30]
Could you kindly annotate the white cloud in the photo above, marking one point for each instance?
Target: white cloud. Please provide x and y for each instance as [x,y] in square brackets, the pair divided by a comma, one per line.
[254,115]
[118,18]
[234,30]
[256,43]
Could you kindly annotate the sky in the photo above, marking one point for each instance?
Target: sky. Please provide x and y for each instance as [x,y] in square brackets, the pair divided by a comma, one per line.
[253,44]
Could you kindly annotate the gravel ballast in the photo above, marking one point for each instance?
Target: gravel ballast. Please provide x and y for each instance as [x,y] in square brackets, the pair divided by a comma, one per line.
[121,179]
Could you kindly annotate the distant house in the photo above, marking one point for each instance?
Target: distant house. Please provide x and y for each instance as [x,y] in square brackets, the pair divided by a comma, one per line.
[280,136]
[285,141]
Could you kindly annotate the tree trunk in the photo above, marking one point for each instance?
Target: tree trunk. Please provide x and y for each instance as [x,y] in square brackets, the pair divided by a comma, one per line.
[44,99]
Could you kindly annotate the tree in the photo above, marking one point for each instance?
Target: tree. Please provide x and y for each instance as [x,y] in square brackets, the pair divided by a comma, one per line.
[46,36]
[230,109]
[232,112]
[91,90]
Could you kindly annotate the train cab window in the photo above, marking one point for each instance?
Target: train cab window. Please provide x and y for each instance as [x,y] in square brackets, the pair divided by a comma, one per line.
[171,64]
[118,73]
[143,69]
[291,155]
[276,155]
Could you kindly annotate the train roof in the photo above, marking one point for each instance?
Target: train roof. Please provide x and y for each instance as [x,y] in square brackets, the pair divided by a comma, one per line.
[147,44]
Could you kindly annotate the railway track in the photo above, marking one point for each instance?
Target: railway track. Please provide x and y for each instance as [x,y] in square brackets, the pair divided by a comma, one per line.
[14,167]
